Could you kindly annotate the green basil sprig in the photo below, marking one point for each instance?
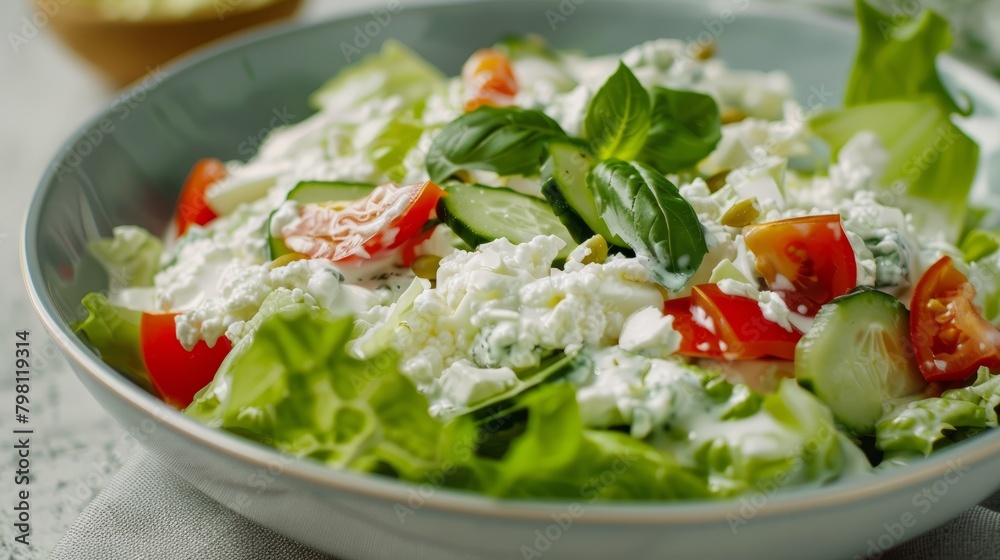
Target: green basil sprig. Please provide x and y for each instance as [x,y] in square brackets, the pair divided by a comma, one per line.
[617,118]
[646,210]
[505,140]
[686,127]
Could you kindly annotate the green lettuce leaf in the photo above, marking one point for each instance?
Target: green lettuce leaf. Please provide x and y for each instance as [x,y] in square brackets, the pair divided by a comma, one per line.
[748,442]
[925,425]
[114,333]
[291,384]
[898,61]
[686,127]
[896,92]
[505,140]
[979,244]
[391,147]
[131,257]
[550,455]
[618,116]
[647,211]
[394,71]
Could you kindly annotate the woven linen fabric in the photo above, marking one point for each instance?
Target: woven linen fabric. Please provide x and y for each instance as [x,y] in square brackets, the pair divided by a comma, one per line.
[148,512]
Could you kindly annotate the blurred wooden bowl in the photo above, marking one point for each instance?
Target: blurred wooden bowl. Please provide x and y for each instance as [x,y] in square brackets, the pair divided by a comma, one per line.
[125,50]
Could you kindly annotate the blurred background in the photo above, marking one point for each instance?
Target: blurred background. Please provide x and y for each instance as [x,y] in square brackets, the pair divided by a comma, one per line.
[63,61]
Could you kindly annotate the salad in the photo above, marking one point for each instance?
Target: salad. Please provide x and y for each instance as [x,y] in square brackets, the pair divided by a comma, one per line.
[554,267]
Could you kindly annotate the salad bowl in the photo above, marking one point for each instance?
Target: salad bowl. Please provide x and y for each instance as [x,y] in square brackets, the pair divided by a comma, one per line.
[123,168]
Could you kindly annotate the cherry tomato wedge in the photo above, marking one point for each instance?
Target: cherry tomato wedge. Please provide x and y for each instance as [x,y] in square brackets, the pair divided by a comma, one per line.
[176,373]
[192,207]
[951,338]
[808,261]
[489,80]
[741,326]
[408,251]
[696,340]
[385,219]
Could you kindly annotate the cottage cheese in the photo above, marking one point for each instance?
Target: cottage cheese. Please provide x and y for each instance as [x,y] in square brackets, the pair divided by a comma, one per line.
[504,305]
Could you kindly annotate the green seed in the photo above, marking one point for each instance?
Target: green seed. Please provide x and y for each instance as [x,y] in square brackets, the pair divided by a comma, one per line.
[743,213]
[731,115]
[717,181]
[287,258]
[426,266]
[598,250]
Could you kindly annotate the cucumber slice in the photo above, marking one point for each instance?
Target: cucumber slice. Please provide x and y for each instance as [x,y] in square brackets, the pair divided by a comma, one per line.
[310,192]
[570,165]
[857,358]
[578,229]
[480,214]
[328,191]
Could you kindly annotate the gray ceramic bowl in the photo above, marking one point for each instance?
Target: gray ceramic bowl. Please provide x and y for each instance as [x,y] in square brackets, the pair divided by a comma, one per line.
[125,167]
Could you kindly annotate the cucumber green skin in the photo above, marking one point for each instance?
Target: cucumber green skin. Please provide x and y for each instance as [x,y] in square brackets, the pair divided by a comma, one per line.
[828,357]
[314,191]
[454,211]
[574,223]
[570,167]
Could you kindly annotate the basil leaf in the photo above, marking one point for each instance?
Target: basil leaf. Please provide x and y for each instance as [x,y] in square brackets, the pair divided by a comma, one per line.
[646,210]
[686,127]
[898,60]
[507,141]
[617,117]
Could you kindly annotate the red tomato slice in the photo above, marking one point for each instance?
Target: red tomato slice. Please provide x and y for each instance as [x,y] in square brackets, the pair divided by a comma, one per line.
[489,80]
[696,340]
[176,373]
[192,208]
[951,338]
[385,219]
[808,261]
[741,326]
[408,251]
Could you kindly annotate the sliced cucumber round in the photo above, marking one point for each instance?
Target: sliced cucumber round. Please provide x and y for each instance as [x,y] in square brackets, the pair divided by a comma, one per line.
[310,192]
[578,229]
[857,358]
[479,214]
[569,166]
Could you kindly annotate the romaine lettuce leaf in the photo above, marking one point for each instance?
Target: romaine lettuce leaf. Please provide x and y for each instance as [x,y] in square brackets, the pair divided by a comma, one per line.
[898,61]
[393,71]
[544,451]
[131,257]
[979,244]
[291,384]
[114,332]
[896,92]
[925,425]
[788,437]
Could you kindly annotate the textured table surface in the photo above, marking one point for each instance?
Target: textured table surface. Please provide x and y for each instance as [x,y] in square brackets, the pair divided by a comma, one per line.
[46,93]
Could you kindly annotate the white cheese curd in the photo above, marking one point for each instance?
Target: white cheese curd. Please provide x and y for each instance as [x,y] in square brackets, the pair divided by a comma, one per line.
[650,333]
[463,384]
[754,140]
[240,290]
[504,305]
[627,388]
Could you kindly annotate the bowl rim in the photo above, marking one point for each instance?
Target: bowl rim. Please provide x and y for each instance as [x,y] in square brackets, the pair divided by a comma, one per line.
[787,502]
